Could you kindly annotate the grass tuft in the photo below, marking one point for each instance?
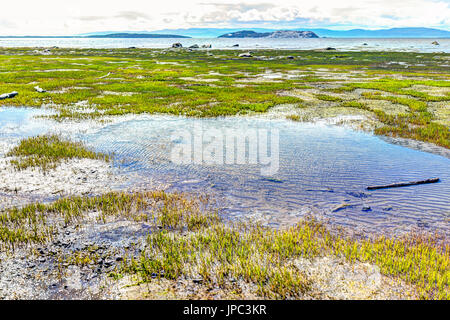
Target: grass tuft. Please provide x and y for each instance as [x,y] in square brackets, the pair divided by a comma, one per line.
[47,151]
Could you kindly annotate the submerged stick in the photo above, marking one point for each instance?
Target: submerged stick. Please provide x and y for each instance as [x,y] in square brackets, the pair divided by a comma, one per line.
[404,184]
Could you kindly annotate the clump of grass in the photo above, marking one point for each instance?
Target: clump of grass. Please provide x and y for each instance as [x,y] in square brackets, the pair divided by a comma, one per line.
[30,224]
[417,124]
[294,117]
[47,151]
[325,97]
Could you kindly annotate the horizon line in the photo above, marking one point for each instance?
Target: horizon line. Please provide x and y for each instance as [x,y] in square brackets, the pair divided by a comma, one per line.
[86,34]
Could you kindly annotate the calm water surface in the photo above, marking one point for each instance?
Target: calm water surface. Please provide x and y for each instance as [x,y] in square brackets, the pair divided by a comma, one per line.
[321,167]
[415,45]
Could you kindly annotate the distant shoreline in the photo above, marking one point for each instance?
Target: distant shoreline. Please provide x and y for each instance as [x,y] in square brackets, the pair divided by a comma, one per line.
[186,37]
[213,33]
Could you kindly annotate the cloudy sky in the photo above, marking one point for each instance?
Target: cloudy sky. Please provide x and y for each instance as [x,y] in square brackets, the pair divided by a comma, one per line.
[52,17]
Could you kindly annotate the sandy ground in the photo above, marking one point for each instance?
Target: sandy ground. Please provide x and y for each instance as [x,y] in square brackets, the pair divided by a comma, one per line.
[72,177]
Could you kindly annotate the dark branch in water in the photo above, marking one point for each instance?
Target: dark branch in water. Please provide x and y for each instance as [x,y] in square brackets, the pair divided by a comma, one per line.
[405,184]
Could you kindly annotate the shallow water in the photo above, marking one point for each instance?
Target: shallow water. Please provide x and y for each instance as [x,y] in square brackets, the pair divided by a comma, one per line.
[321,167]
[373,44]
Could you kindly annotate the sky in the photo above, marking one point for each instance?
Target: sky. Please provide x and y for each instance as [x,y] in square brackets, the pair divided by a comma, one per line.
[71,17]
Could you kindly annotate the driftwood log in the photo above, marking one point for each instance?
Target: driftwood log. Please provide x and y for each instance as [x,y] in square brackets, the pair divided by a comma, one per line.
[404,184]
[8,95]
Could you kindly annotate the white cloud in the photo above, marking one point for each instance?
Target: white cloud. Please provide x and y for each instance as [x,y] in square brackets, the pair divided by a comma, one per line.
[72,17]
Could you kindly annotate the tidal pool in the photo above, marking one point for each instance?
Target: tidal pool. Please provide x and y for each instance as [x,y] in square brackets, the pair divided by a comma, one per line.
[322,169]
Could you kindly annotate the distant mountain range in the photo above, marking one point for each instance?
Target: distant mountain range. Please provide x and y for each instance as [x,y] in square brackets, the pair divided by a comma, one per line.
[135,35]
[216,32]
[384,33]
[354,33]
[281,34]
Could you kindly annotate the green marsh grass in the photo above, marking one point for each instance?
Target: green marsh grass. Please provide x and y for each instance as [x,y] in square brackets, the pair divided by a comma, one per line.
[47,151]
[219,83]
[190,240]
[265,258]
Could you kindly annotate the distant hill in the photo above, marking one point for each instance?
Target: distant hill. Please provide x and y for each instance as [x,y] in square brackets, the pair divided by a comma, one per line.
[321,32]
[205,32]
[285,34]
[136,35]
[245,34]
[384,33]
[216,32]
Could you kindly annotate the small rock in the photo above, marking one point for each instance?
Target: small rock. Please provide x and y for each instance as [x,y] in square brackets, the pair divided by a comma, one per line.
[207,45]
[246,55]
[290,57]
[194,46]
[177,45]
[235,45]
[8,95]
[366,209]
[435,43]
[108,263]
[53,286]
[330,48]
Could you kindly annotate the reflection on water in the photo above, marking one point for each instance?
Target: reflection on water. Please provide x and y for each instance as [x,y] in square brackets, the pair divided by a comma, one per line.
[322,170]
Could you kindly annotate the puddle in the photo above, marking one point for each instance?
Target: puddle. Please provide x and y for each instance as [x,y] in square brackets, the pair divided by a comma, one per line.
[323,169]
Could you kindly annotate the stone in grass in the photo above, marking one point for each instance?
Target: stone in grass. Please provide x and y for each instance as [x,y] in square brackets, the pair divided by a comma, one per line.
[246,55]
[39,89]
[177,45]
[8,95]
[194,46]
